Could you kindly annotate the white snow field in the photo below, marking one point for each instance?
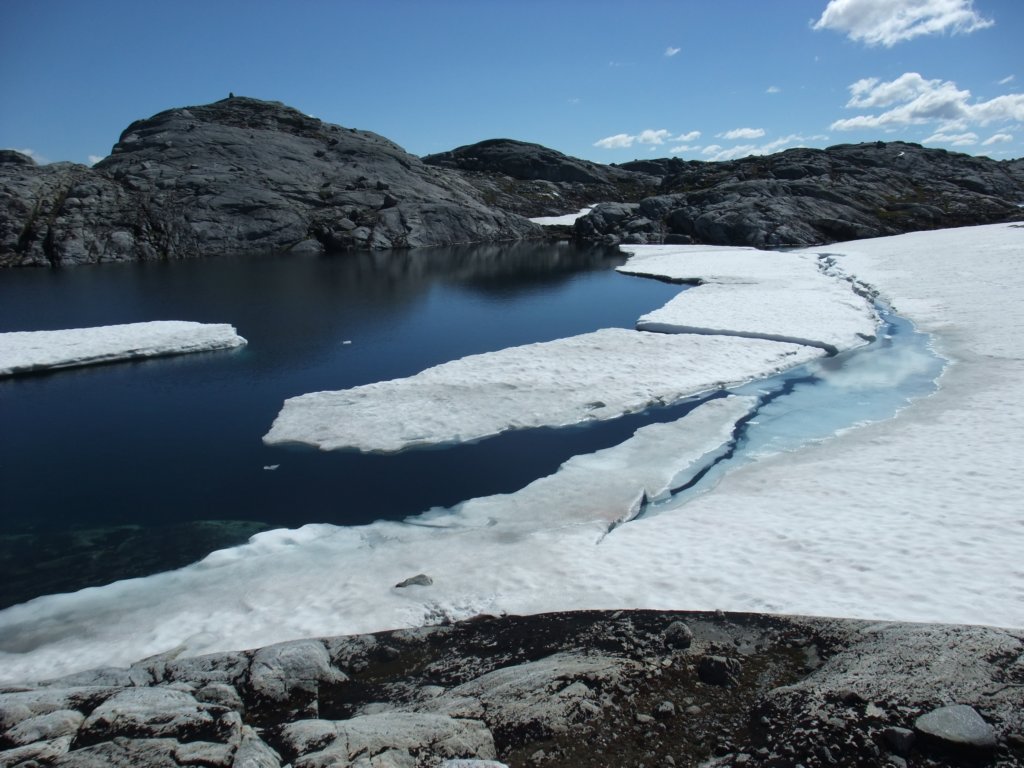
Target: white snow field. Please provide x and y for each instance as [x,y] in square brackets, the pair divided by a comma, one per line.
[590,377]
[756,294]
[918,517]
[24,351]
[567,219]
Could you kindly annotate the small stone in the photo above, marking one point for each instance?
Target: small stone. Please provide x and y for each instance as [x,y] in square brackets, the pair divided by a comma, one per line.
[957,725]
[419,580]
[719,670]
[693,710]
[665,710]
[644,719]
[678,635]
[900,740]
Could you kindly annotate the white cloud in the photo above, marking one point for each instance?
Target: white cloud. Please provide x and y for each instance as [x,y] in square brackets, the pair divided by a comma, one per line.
[953,139]
[93,159]
[718,152]
[773,89]
[653,137]
[684,137]
[684,148]
[618,141]
[33,154]
[1008,79]
[916,101]
[648,136]
[997,139]
[742,133]
[670,51]
[888,22]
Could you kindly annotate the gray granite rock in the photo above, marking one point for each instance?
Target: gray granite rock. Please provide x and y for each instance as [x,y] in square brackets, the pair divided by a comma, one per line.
[290,675]
[238,176]
[811,196]
[322,743]
[154,713]
[958,725]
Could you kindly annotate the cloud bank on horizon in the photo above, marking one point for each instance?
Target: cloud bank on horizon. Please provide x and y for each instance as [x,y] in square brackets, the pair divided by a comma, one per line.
[885,106]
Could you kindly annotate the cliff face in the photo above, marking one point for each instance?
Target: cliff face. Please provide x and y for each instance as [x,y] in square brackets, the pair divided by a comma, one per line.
[235,177]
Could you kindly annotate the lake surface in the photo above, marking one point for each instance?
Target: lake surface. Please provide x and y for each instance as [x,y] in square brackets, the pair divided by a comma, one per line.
[128,469]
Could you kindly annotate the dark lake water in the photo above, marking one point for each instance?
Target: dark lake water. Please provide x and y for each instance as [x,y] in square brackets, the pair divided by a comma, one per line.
[127,469]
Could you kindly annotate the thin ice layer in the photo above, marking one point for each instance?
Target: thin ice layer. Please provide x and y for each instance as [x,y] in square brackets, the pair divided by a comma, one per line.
[591,377]
[322,579]
[756,294]
[24,351]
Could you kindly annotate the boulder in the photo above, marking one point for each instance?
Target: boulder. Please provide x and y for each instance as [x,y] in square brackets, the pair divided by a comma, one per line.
[956,725]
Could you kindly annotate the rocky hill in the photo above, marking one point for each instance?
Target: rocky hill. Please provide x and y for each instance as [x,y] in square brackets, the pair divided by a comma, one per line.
[242,176]
[533,180]
[811,196]
[629,688]
[235,177]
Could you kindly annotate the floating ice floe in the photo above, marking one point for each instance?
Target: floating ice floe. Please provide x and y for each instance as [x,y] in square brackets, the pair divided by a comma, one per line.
[24,351]
[591,377]
[754,294]
[567,219]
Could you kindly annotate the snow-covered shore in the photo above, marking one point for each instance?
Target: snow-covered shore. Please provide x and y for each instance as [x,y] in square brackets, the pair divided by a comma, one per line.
[27,351]
[915,518]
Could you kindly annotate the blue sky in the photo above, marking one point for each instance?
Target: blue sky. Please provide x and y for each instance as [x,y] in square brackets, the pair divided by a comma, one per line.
[608,81]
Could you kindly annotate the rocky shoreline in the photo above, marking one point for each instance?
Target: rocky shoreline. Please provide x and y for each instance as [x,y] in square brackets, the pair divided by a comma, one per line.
[244,176]
[584,688]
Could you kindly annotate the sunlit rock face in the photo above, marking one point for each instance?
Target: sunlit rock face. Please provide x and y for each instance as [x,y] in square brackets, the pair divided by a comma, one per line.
[236,177]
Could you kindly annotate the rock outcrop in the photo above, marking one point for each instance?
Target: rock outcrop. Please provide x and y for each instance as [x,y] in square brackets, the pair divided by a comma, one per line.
[236,177]
[534,180]
[571,689]
[812,196]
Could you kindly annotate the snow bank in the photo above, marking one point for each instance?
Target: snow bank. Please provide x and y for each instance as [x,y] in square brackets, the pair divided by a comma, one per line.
[567,219]
[323,579]
[754,294]
[25,351]
[594,376]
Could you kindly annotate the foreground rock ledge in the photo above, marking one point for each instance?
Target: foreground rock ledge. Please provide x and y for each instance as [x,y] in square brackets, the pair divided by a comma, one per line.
[564,689]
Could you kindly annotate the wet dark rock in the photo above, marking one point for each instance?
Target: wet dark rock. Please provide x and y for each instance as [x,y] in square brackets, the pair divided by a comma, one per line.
[719,670]
[419,580]
[900,740]
[678,636]
[238,176]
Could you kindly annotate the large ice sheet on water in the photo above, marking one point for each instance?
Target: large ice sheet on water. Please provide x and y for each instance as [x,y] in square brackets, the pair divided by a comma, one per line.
[24,351]
[757,294]
[322,580]
[591,377]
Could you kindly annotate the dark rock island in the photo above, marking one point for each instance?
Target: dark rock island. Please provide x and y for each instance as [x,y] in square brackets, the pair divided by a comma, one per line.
[243,176]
